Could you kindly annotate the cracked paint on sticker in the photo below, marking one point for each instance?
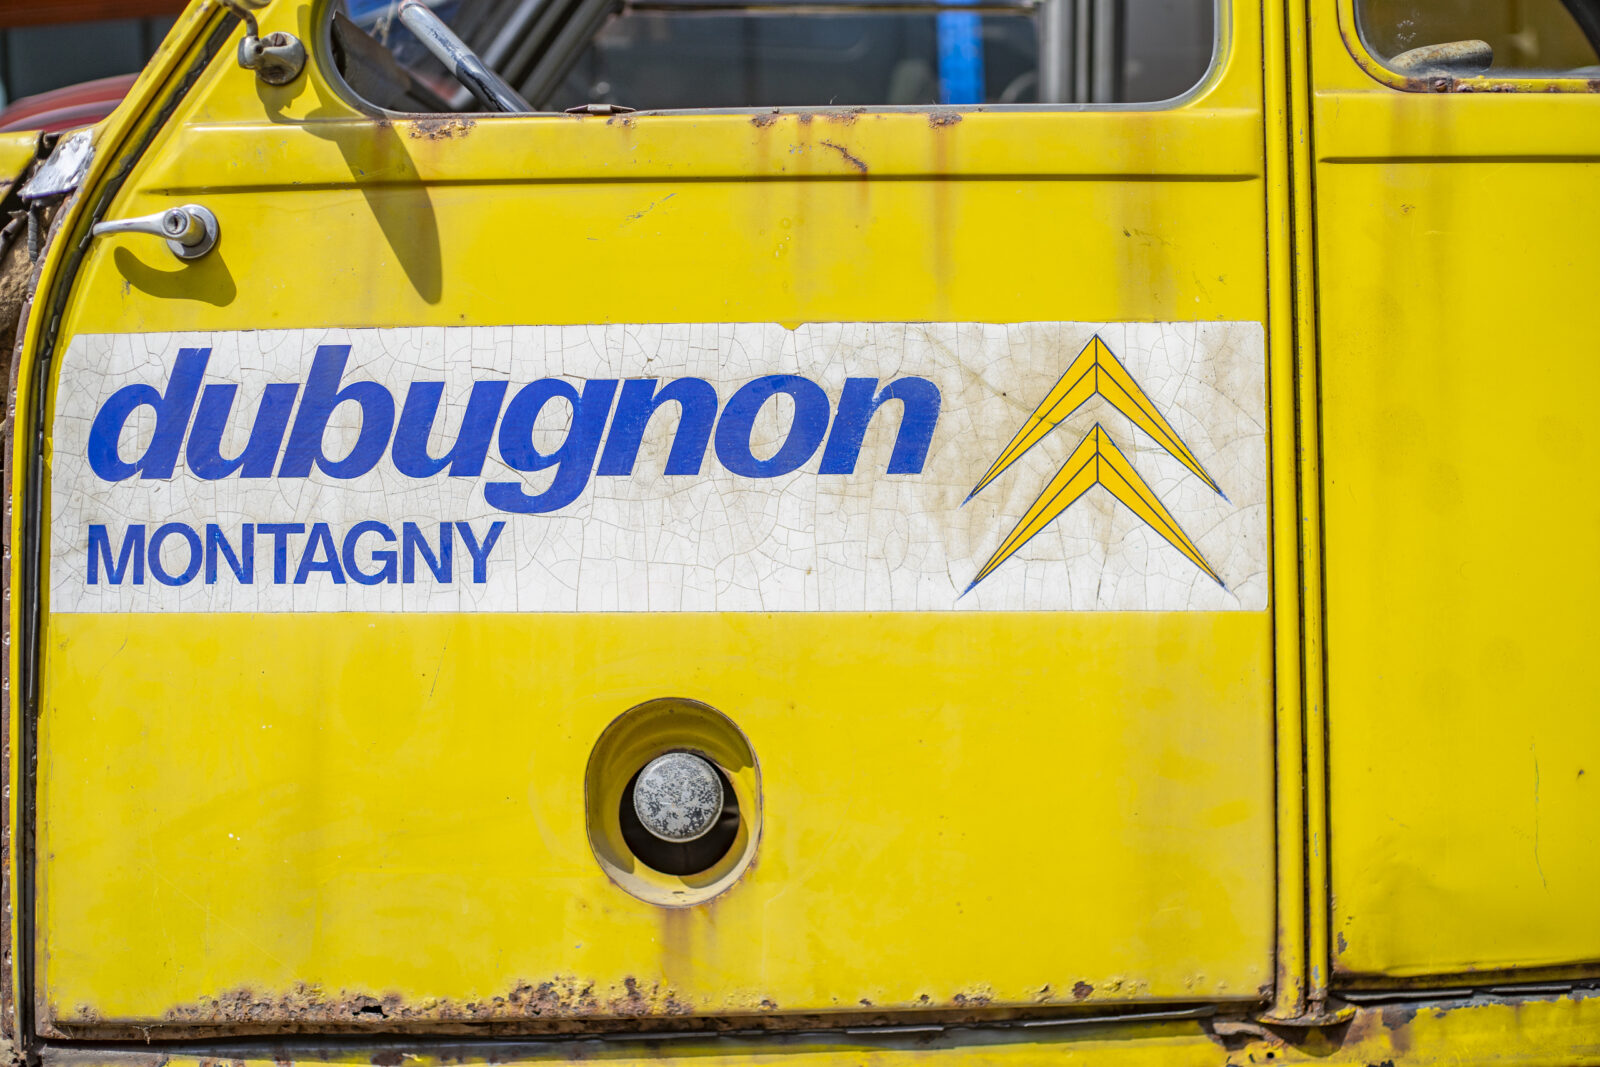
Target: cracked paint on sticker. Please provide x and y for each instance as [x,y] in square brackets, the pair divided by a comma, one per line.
[692,467]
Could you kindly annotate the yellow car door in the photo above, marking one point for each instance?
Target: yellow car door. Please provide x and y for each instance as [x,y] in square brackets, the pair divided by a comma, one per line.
[912,469]
[1456,156]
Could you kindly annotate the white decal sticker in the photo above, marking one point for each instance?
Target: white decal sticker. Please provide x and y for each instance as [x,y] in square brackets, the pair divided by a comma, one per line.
[1035,466]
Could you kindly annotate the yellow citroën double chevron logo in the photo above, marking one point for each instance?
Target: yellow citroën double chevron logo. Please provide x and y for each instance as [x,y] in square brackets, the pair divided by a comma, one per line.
[1097,460]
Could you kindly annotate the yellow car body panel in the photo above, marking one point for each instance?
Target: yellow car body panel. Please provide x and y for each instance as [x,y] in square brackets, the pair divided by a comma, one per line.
[16,152]
[345,727]
[1151,755]
[248,823]
[1456,440]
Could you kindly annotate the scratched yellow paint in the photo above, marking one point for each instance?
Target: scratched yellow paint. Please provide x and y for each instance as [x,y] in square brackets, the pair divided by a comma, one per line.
[1005,809]
[1460,449]
[375,804]
[988,807]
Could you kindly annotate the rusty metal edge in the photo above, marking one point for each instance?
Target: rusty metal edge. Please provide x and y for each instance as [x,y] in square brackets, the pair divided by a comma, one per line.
[364,1018]
[1354,984]
[28,1010]
[283,1048]
[349,1019]
[10,242]
[1547,1031]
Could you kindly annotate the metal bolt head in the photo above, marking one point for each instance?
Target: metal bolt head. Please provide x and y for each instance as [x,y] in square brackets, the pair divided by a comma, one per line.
[678,797]
[175,222]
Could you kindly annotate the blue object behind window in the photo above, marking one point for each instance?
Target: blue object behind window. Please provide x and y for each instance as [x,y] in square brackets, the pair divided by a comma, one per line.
[960,58]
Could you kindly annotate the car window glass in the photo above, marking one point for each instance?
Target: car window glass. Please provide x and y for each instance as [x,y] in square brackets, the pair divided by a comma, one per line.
[660,54]
[1468,37]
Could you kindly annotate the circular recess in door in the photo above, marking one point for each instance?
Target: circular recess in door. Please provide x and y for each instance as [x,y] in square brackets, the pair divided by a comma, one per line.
[657,824]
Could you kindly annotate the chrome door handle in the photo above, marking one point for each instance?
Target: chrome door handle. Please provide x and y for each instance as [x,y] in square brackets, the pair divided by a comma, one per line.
[191,230]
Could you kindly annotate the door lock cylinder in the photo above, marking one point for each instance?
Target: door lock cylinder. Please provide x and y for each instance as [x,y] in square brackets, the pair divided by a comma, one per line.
[190,231]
